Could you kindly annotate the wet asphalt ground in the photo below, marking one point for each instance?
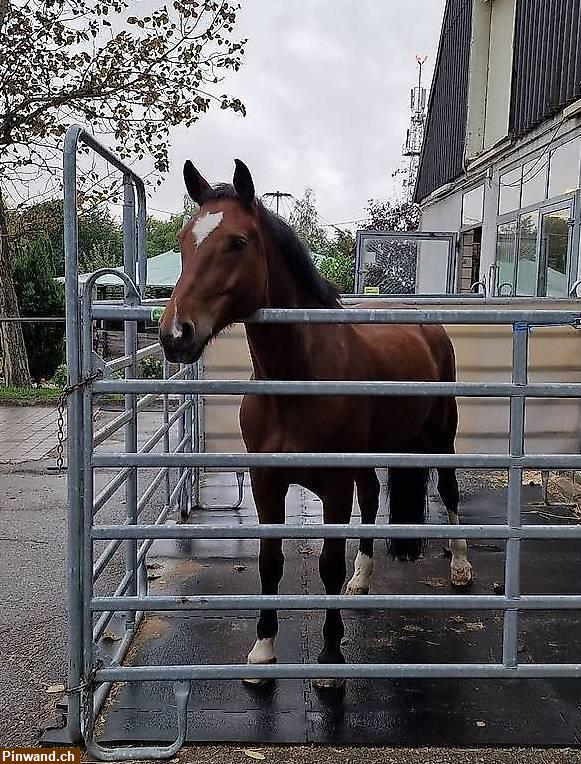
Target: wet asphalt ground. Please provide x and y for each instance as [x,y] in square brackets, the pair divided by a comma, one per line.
[33,638]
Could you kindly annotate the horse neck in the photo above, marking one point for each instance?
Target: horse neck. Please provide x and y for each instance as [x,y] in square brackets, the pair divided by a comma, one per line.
[282,351]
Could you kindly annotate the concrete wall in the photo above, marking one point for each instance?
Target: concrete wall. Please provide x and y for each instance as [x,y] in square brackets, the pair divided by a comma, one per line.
[483,354]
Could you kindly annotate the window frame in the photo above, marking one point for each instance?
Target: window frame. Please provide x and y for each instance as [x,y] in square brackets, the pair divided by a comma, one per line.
[548,206]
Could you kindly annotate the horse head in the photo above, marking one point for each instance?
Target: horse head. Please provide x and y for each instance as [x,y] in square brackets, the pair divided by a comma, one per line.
[224,272]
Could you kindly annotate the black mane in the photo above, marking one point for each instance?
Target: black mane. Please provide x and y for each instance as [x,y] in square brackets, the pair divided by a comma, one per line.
[293,250]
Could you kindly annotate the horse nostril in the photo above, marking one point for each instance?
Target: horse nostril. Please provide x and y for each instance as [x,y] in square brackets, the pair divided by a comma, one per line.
[188,331]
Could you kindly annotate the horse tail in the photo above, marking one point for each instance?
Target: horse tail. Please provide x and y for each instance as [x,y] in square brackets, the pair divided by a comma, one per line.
[408,488]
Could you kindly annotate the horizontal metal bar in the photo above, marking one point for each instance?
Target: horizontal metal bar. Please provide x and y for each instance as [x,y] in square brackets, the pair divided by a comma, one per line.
[111,549]
[205,602]
[293,531]
[337,671]
[122,476]
[202,602]
[32,319]
[340,460]
[119,654]
[115,424]
[336,387]
[434,298]
[411,315]
[107,615]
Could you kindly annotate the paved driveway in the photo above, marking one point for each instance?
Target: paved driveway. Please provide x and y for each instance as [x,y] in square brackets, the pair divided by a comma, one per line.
[27,433]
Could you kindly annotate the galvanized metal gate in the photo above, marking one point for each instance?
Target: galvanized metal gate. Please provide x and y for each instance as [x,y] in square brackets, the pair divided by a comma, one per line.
[178,460]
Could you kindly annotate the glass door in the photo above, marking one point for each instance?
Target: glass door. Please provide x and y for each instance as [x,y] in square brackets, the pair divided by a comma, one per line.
[555,247]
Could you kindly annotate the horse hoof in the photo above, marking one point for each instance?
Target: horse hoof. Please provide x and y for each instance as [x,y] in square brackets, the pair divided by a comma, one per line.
[329,685]
[258,683]
[461,574]
[354,589]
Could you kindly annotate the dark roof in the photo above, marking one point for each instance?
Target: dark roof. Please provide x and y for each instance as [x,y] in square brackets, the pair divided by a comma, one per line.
[546,69]
[546,76]
[443,149]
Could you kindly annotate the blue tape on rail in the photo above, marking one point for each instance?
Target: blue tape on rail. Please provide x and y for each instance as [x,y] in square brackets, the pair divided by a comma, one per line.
[520,326]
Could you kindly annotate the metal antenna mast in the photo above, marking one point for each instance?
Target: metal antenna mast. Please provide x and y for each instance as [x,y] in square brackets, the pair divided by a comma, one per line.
[415,133]
[278,195]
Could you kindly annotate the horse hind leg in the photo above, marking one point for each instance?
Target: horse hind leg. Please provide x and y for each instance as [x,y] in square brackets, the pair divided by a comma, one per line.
[269,496]
[368,499]
[460,567]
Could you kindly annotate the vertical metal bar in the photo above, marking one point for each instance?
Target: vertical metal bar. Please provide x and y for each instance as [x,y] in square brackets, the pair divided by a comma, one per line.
[74,413]
[197,446]
[191,374]
[520,336]
[141,238]
[130,349]
[87,499]
[167,435]
[181,435]
[359,285]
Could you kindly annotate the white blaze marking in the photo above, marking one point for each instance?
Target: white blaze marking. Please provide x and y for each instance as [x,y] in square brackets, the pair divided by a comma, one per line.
[176,332]
[205,224]
[363,569]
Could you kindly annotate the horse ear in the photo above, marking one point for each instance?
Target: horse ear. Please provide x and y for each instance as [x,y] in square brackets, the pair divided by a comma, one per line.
[243,183]
[198,188]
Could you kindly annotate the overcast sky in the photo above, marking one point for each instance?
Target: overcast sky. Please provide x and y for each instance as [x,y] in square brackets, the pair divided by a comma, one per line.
[326,87]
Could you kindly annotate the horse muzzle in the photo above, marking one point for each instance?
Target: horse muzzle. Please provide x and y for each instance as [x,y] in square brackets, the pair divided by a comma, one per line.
[182,344]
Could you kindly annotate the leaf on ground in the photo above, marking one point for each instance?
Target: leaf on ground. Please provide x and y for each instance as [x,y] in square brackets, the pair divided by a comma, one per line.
[110,636]
[54,689]
[239,567]
[252,754]
[306,550]
[434,583]
[153,576]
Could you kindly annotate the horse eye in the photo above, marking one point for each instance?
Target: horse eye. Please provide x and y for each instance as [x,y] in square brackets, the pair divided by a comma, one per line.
[238,244]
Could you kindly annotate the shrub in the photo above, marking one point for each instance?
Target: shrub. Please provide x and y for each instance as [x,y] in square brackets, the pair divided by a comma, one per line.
[151,368]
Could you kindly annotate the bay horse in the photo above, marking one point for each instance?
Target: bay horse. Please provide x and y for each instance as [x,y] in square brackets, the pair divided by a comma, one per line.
[238,257]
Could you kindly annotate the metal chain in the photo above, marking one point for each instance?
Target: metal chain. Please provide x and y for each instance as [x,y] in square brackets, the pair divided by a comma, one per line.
[62,402]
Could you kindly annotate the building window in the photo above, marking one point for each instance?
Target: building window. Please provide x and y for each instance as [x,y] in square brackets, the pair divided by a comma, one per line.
[564,169]
[509,197]
[534,227]
[505,249]
[527,255]
[473,207]
[555,234]
[534,181]
[533,253]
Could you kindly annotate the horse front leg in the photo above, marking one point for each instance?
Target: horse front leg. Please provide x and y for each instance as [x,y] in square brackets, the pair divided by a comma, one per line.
[460,568]
[368,499]
[337,504]
[269,496]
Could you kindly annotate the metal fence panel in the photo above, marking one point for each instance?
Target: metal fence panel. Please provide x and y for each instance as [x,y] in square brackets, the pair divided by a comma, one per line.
[179,459]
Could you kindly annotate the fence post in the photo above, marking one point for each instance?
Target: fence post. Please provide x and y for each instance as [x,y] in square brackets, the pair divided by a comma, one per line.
[130,348]
[520,336]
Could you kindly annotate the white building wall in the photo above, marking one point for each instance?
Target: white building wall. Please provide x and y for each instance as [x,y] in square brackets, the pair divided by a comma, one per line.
[499,68]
